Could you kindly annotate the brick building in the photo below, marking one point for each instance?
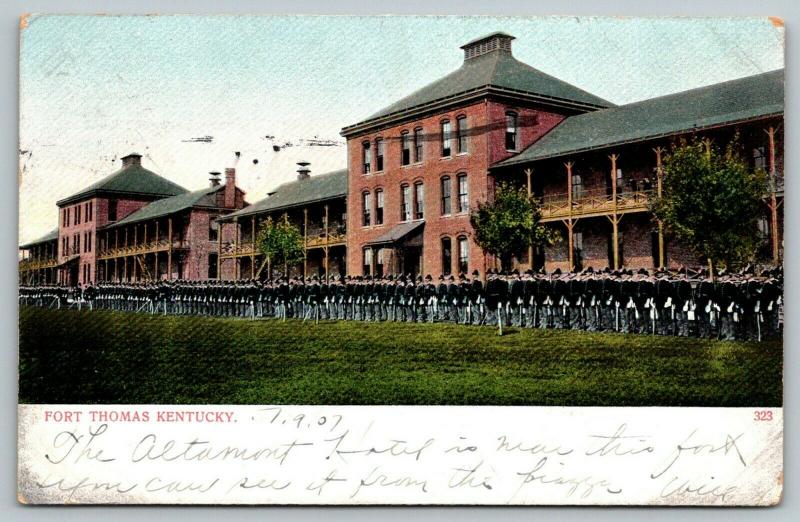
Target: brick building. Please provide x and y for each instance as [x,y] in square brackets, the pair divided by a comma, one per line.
[315,203]
[134,225]
[418,166]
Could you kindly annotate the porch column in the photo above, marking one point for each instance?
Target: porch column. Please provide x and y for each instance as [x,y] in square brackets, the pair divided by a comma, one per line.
[327,248]
[169,249]
[570,224]
[659,178]
[236,260]
[253,255]
[305,242]
[219,249]
[135,245]
[614,217]
[528,173]
[773,198]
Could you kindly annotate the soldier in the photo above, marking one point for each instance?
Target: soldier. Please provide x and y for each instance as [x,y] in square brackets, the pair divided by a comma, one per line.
[516,298]
[478,299]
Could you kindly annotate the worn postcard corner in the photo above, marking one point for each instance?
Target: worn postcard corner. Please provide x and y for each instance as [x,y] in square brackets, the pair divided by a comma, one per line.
[463,262]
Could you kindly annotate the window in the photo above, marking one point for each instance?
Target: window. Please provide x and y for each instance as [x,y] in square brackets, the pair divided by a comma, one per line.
[89,241]
[447,256]
[759,158]
[419,198]
[620,180]
[366,209]
[446,141]
[367,265]
[461,134]
[77,214]
[69,216]
[577,249]
[213,228]
[445,195]
[463,255]
[90,211]
[379,262]
[511,131]
[405,203]
[463,193]
[417,145]
[63,217]
[763,228]
[112,209]
[366,157]
[379,207]
[406,144]
[379,150]
[577,186]
[212,265]
[77,246]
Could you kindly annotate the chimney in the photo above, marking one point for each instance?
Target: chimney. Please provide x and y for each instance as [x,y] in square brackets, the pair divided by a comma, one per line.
[214,179]
[132,159]
[500,42]
[230,188]
[303,172]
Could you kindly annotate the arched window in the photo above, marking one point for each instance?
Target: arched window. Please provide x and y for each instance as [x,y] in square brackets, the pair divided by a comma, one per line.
[463,255]
[379,151]
[366,209]
[405,203]
[447,256]
[445,189]
[419,200]
[461,134]
[446,139]
[463,193]
[379,207]
[405,156]
[367,263]
[418,138]
[367,157]
[511,131]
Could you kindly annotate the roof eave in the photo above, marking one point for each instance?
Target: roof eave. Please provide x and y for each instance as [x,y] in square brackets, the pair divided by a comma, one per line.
[460,98]
[515,160]
[99,192]
[242,213]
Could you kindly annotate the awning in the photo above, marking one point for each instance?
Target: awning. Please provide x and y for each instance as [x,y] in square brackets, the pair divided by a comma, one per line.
[397,232]
[68,260]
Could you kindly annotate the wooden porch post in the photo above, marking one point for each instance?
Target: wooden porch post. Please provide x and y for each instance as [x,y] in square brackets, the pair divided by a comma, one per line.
[169,249]
[305,242]
[236,259]
[773,198]
[135,244]
[614,218]
[285,264]
[569,222]
[219,250]
[327,248]
[528,173]
[659,178]
[253,255]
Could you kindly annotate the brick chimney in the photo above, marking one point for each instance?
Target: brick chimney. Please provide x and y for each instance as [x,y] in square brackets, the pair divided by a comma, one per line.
[230,188]
[500,42]
[303,172]
[131,160]
[214,179]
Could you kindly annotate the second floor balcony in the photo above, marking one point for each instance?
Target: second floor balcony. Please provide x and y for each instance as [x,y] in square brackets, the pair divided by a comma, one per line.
[162,245]
[26,265]
[594,203]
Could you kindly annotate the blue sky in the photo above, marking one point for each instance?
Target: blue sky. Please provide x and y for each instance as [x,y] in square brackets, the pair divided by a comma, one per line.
[93,88]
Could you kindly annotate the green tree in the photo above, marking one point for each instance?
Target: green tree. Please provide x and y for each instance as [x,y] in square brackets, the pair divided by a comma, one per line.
[510,223]
[281,242]
[711,200]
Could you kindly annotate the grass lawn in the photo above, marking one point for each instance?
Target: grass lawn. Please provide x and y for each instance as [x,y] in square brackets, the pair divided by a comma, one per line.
[68,356]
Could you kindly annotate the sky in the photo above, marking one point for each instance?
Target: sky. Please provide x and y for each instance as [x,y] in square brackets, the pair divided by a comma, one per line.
[188,92]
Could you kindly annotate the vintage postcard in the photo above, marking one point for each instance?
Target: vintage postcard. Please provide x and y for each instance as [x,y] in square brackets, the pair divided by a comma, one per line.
[400,260]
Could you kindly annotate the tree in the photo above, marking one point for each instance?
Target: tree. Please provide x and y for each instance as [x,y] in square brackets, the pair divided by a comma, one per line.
[711,200]
[510,223]
[281,242]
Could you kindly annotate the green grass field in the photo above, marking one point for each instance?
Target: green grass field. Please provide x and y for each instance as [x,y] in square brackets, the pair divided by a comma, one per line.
[68,356]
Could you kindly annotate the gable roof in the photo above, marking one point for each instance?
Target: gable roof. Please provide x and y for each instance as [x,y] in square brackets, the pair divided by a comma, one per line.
[164,207]
[299,192]
[50,236]
[729,102]
[496,71]
[131,180]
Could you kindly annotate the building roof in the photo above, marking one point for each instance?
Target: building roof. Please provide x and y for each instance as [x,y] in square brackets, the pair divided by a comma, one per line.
[167,206]
[722,103]
[498,71]
[50,236]
[397,232]
[299,192]
[130,180]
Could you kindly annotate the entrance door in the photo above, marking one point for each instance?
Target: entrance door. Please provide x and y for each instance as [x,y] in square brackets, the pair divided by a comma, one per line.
[411,260]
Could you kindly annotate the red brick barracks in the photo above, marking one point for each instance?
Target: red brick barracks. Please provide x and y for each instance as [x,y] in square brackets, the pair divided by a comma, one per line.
[416,168]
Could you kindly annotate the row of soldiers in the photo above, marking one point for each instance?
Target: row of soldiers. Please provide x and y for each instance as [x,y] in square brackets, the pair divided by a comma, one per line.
[733,306]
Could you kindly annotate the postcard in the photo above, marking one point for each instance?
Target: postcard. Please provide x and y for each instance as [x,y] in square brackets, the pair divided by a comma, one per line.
[363,260]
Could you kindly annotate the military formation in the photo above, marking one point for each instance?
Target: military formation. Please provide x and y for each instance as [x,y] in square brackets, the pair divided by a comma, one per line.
[742,305]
